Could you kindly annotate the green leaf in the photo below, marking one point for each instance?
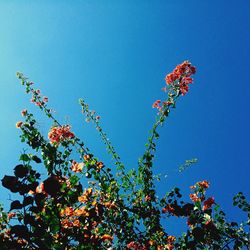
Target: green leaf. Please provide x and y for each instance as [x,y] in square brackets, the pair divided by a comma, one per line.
[36,159]
[24,157]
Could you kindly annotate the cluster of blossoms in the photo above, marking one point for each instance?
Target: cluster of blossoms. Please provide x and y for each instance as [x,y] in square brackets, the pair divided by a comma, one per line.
[181,76]
[23,113]
[90,114]
[77,167]
[199,193]
[58,134]
[57,213]
[208,203]
[152,243]
[37,98]
[88,209]
[177,83]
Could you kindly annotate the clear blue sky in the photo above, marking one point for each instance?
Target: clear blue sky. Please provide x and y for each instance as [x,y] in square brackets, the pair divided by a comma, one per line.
[115,55]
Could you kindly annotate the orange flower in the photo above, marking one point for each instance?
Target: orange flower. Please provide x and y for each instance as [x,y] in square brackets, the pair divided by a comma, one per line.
[82,199]
[68,211]
[151,242]
[11,215]
[168,208]
[76,223]
[170,78]
[85,196]
[99,166]
[109,205]
[81,212]
[181,73]
[107,237]
[19,124]
[183,88]
[58,134]
[131,245]
[76,167]
[171,239]
[194,198]
[147,198]
[21,242]
[39,190]
[24,112]
[203,184]
[156,104]
[208,203]
[66,223]
[170,246]
[86,157]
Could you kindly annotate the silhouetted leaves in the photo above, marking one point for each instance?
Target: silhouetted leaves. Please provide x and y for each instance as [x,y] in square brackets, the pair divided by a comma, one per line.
[15,205]
[52,185]
[36,159]
[28,200]
[21,171]
[20,231]
[11,183]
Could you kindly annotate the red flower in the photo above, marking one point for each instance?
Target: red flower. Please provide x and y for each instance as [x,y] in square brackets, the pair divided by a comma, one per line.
[208,203]
[45,99]
[203,184]
[168,208]
[58,134]
[19,124]
[183,89]
[76,167]
[156,104]
[181,76]
[194,198]
[107,237]
[24,112]
[170,78]
[130,245]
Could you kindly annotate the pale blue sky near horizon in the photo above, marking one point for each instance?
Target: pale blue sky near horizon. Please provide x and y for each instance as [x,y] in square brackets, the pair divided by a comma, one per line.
[115,55]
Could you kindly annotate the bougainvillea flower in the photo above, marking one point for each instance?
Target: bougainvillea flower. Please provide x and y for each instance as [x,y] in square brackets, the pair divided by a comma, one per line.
[45,99]
[85,196]
[194,198]
[99,166]
[77,167]
[19,124]
[24,112]
[183,89]
[168,208]
[203,184]
[68,211]
[180,77]
[76,223]
[86,157]
[11,215]
[208,203]
[58,134]
[156,104]
[107,237]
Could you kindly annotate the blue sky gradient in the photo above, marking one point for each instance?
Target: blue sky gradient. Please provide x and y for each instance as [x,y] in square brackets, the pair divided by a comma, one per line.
[115,55]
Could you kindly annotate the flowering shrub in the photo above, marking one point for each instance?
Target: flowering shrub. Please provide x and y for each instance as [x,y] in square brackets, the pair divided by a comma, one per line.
[82,204]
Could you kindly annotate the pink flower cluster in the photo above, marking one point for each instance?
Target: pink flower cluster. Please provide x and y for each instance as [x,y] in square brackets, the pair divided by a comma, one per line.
[60,133]
[182,73]
[37,98]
